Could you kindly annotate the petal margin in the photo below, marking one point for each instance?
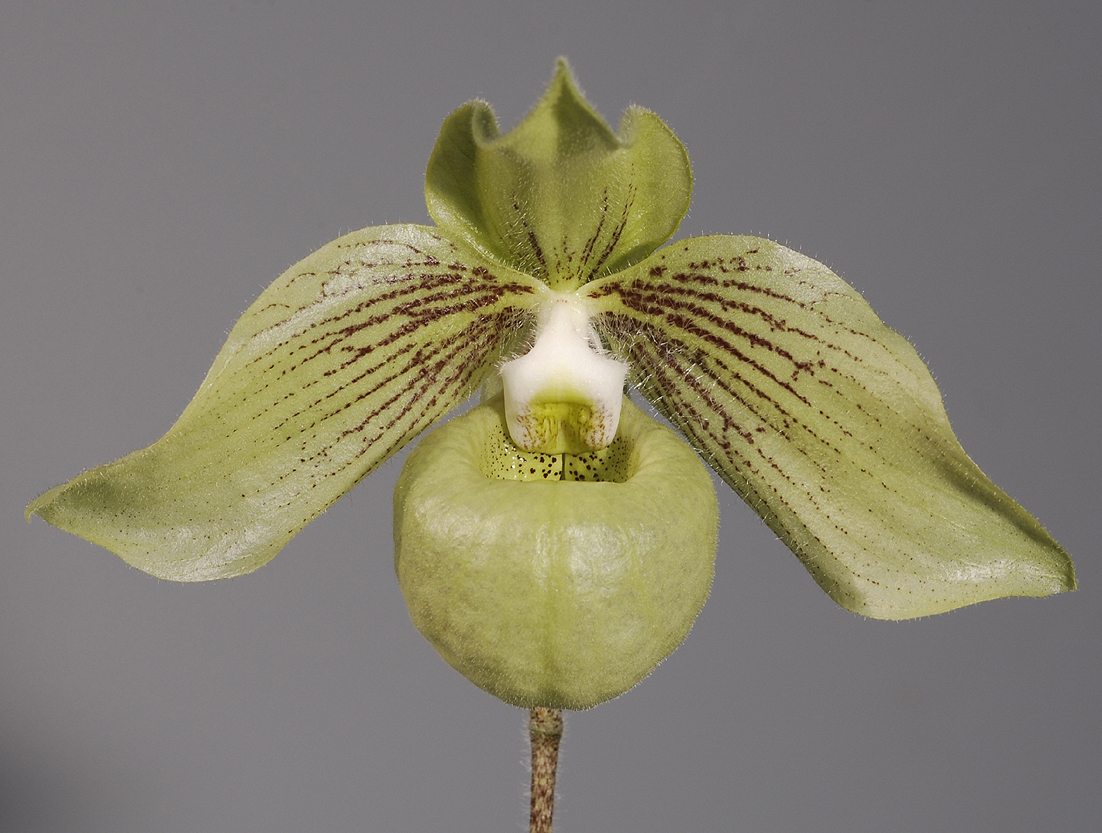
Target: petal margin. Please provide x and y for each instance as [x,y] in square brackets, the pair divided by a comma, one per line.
[343,360]
[827,423]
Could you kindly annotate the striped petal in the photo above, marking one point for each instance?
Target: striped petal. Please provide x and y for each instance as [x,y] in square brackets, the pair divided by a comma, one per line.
[341,362]
[827,423]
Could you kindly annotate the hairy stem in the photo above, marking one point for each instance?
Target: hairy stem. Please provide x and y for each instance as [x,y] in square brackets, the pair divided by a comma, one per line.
[545,732]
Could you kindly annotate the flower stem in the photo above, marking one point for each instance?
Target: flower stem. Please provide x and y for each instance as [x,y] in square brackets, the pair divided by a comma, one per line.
[545,732]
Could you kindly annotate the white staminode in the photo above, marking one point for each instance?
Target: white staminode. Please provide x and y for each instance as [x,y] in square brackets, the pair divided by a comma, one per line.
[563,396]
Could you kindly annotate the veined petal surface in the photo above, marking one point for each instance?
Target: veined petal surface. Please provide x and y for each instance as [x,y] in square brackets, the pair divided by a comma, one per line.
[338,364]
[826,422]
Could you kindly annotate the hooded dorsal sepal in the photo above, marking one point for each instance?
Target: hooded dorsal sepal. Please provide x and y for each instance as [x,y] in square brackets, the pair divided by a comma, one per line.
[560,197]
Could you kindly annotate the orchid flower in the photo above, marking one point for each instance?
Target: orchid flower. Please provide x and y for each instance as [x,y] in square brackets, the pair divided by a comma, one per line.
[544,282]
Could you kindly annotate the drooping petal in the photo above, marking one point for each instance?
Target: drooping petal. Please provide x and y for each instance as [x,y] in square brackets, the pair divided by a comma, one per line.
[827,423]
[338,364]
[560,197]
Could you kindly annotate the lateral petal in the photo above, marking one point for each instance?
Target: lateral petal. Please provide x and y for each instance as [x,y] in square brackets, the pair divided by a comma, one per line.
[827,423]
[342,361]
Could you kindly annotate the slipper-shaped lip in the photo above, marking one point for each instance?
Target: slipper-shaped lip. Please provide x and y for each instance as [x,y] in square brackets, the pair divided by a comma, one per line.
[554,592]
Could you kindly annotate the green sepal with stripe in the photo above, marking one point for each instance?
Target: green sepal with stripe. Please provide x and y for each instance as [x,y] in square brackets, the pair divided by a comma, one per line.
[560,197]
[826,422]
[342,361]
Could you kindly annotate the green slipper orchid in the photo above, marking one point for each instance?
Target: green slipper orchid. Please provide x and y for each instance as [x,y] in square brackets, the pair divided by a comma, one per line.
[543,280]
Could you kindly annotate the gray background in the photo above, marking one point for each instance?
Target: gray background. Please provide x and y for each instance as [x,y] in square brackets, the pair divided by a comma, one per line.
[160,163]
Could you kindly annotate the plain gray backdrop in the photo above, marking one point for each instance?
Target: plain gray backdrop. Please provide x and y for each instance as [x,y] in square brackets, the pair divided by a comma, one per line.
[161,163]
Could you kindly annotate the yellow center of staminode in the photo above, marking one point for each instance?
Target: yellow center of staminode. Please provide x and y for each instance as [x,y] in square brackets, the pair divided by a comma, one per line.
[501,459]
[563,396]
